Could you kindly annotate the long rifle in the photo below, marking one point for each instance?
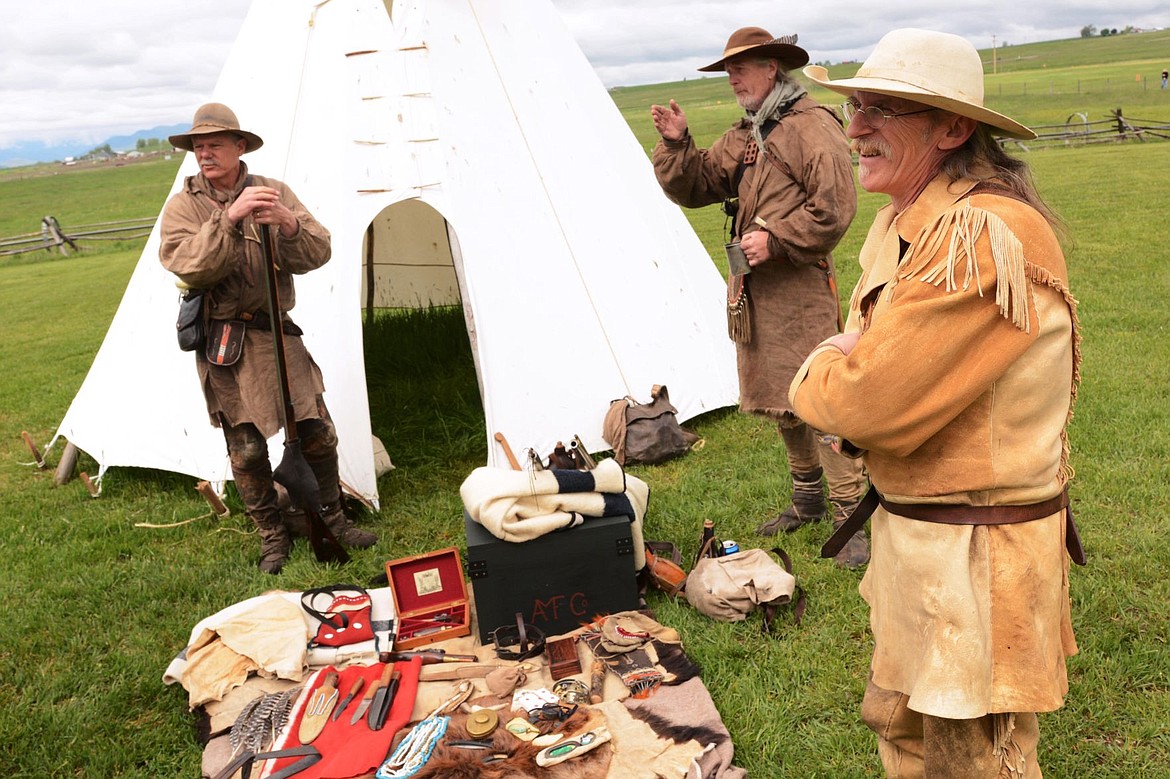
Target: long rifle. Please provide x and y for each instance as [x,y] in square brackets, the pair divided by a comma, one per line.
[294,471]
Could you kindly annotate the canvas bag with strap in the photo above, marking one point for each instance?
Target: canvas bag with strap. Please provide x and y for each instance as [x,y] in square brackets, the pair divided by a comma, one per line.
[645,432]
[729,588]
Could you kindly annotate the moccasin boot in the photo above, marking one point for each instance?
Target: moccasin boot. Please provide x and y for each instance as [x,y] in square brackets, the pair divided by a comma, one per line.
[345,530]
[808,505]
[275,546]
[855,553]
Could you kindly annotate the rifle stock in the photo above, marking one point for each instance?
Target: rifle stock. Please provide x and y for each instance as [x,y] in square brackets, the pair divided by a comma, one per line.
[428,657]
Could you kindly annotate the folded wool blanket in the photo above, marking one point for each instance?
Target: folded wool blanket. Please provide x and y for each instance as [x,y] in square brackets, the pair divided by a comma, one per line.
[519,506]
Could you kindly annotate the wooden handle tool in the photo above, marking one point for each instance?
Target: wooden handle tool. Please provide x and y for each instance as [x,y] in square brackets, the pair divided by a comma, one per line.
[503,442]
[597,681]
[36,453]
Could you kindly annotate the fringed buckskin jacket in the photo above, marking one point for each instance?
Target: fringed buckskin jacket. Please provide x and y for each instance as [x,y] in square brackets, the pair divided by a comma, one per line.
[205,250]
[959,391]
[803,189]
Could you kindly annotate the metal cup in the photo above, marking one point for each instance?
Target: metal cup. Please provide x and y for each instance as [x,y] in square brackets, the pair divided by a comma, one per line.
[737,261]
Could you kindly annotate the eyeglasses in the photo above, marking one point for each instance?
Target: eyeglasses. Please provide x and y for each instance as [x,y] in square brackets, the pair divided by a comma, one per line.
[874,116]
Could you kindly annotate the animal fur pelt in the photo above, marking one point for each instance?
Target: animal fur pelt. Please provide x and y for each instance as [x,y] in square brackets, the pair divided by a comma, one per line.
[449,762]
[674,660]
[686,711]
[679,732]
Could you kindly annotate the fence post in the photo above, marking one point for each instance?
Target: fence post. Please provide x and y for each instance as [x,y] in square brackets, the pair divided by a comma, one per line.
[1124,128]
[52,235]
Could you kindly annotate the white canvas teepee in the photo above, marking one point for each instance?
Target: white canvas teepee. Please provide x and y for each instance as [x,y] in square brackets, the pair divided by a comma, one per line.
[456,150]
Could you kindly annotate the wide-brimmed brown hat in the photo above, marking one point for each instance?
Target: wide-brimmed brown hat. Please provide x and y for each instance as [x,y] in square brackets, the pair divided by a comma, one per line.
[933,68]
[760,43]
[215,118]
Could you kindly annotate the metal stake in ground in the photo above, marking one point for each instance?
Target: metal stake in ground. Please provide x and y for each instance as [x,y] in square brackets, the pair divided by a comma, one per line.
[294,471]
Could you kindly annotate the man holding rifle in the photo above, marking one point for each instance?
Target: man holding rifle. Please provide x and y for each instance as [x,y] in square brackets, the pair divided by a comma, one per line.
[211,241]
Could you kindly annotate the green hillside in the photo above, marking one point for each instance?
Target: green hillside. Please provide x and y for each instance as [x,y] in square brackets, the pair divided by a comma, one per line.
[1036,83]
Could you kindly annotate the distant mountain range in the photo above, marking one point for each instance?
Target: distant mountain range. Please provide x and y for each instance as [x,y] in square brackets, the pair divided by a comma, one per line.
[30,152]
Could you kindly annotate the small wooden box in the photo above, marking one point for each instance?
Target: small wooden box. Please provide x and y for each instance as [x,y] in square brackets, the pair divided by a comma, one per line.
[430,598]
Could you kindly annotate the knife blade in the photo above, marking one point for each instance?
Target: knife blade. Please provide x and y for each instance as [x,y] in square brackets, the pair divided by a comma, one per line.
[357,687]
[317,710]
[372,692]
[364,703]
[380,694]
[378,713]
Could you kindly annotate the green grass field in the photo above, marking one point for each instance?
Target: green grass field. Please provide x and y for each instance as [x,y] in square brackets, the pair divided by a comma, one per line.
[97,606]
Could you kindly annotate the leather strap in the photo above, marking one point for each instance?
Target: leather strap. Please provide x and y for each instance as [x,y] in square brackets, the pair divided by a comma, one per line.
[852,524]
[959,514]
[243,762]
[769,609]
[519,635]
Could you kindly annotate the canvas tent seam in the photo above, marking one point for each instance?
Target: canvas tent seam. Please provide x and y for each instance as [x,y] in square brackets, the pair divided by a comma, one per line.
[556,212]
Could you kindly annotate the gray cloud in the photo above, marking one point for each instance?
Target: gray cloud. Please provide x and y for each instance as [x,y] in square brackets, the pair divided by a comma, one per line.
[85,71]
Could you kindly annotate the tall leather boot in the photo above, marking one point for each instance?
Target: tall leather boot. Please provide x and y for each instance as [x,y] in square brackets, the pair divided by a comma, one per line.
[256,490]
[345,530]
[855,553]
[808,505]
[320,450]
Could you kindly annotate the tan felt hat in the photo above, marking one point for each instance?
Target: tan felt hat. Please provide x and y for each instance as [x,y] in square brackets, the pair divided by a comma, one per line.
[215,118]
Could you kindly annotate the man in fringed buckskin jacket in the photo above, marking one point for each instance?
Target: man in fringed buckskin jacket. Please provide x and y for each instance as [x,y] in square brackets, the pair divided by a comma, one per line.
[784,170]
[211,241]
[955,379]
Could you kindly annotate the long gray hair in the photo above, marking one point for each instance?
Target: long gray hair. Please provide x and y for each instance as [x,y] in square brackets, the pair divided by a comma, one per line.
[982,158]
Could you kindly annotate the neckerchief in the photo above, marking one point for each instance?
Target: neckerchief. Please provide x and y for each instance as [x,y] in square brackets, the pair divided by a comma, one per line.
[784,93]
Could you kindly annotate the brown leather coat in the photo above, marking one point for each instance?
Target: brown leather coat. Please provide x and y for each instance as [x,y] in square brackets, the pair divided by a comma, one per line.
[205,250]
[803,189]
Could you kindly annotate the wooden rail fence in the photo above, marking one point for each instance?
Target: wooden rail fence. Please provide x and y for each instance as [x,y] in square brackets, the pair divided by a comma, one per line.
[53,236]
[1077,130]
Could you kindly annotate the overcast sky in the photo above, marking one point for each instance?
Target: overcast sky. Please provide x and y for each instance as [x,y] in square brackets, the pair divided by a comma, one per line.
[79,70]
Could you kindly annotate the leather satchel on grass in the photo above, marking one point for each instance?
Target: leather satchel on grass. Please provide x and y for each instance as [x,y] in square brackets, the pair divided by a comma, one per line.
[646,432]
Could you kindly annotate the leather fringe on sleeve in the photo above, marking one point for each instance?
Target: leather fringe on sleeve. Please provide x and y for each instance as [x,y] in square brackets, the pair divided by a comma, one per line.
[963,226]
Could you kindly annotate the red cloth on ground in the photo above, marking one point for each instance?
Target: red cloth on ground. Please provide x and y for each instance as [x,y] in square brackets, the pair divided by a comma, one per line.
[351,750]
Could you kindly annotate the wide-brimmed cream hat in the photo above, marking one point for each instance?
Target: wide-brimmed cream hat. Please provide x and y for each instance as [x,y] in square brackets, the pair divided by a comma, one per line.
[760,42]
[215,118]
[933,68]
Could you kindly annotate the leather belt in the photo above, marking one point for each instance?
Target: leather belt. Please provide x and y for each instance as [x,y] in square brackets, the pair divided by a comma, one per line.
[959,514]
[260,319]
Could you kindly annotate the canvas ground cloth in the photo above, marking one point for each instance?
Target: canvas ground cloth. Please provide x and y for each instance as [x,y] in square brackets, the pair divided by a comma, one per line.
[675,732]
